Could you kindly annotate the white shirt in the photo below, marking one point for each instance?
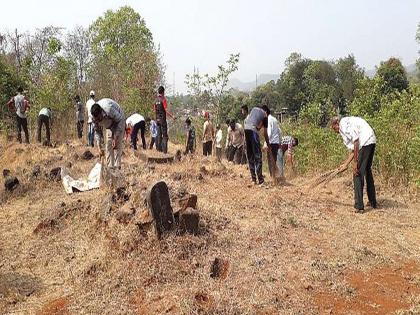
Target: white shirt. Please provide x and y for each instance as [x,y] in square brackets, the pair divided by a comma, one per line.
[219,137]
[356,128]
[134,119]
[45,111]
[273,130]
[89,105]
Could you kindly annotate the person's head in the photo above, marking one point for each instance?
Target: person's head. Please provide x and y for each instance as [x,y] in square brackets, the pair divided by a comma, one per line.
[49,108]
[97,112]
[335,124]
[20,90]
[232,124]
[188,122]
[227,122]
[161,90]
[147,119]
[206,115]
[92,94]
[77,98]
[266,109]
[217,126]
[244,110]
[295,141]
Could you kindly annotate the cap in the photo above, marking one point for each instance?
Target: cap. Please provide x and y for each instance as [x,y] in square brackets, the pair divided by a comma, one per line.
[92,93]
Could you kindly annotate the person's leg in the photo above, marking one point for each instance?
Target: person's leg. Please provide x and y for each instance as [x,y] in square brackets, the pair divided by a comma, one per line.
[109,154]
[119,137]
[39,129]
[19,128]
[280,162]
[142,132]
[165,137]
[258,157]
[134,134]
[370,183]
[238,155]
[210,149]
[152,142]
[159,137]
[360,178]
[47,130]
[250,153]
[25,129]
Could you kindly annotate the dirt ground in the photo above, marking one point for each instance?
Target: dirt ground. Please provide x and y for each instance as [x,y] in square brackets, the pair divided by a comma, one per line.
[285,249]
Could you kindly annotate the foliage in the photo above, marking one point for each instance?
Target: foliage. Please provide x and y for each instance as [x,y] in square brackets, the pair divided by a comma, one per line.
[393,73]
[418,60]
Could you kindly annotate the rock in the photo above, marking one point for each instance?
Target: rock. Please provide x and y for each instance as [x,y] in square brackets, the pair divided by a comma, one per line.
[11,183]
[177,176]
[188,221]
[121,194]
[55,174]
[125,214]
[36,171]
[6,173]
[200,176]
[219,268]
[203,170]
[178,155]
[87,155]
[104,213]
[188,201]
[160,207]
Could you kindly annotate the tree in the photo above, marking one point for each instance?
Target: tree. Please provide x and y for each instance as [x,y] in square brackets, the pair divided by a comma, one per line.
[214,87]
[77,48]
[418,41]
[125,63]
[392,72]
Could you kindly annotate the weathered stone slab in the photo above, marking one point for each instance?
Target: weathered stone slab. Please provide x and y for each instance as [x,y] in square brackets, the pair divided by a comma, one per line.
[160,207]
[189,220]
[159,159]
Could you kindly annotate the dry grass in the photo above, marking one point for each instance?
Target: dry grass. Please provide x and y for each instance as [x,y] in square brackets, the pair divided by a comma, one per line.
[289,251]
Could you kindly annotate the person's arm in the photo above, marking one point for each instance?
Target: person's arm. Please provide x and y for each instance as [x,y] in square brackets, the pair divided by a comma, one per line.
[10,104]
[99,138]
[345,164]
[204,130]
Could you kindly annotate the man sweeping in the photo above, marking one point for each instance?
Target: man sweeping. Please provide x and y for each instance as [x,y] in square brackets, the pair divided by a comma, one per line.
[108,114]
[360,139]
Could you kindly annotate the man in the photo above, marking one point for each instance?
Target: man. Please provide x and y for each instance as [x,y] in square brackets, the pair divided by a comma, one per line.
[90,131]
[45,118]
[219,137]
[79,116]
[190,141]
[106,113]
[161,110]
[288,145]
[208,135]
[244,112]
[274,135]
[153,132]
[135,123]
[360,139]
[257,119]
[228,146]
[236,142]
[20,105]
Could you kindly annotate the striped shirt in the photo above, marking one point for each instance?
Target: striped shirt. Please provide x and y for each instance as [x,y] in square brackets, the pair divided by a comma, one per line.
[287,144]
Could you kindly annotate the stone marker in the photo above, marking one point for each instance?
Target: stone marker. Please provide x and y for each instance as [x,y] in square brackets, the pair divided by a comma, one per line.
[55,174]
[188,221]
[162,158]
[219,268]
[36,171]
[188,201]
[160,207]
[87,155]
[11,183]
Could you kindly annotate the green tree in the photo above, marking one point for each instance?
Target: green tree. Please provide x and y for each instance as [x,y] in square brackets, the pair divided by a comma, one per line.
[418,41]
[125,62]
[392,72]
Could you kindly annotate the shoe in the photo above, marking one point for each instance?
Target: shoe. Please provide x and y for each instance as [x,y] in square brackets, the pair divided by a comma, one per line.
[358,210]
[373,205]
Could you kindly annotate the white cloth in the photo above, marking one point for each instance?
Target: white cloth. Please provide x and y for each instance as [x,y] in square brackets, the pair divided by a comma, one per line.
[134,119]
[356,128]
[89,105]
[91,182]
[273,130]
[20,105]
[219,137]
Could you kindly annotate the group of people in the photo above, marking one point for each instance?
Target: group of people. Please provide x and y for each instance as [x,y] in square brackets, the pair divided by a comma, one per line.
[242,141]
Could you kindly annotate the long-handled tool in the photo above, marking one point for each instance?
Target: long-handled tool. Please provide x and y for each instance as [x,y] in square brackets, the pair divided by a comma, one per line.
[325,177]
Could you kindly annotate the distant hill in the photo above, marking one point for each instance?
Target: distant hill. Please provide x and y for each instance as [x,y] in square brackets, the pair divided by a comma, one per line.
[411,71]
[250,86]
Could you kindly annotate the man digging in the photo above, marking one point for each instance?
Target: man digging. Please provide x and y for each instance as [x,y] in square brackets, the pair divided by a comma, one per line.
[360,139]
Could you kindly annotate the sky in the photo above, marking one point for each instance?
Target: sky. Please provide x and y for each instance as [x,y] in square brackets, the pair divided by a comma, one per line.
[203,33]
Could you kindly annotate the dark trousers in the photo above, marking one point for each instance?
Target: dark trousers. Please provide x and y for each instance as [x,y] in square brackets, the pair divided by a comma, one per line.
[207,148]
[90,134]
[152,142]
[253,151]
[219,154]
[274,150]
[44,120]
[141,125]
[162,137]
[190,147]
[236,154]
[79,126]
[22,123]
[365,160]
